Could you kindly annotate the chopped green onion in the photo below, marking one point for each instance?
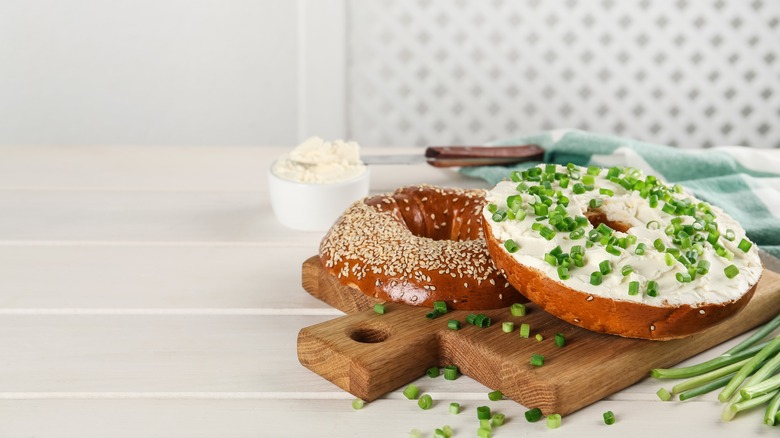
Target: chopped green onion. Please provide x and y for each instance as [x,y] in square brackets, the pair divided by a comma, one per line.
[483,413]
[659,245]
[537,360]
[593,170]
[453,324]
[533,415]
[525,330]
[669,259]
[604,229]
[744,245]
[683,277]
[664,394]
[508,326]
[731,271]
[547,233]
[626,270]
[550,259]
[454,408]
[440,306]
[549,168]
[471,318]
[540,209]
[517,309]
[595,203]
[560,341]
[563,273]
[633,288]
[450,372]
[432,372]
[425,402]
[511,245]
[433,314]
[411,392]
[596,278]
[438,433]
[609,417]
[483,433]
[669,208]
[578,188]
[358,404]
[640,249]
[498,419]
[499,216]
[703,267]
[652,288]
[730,236]
[553,421]
[492,208]
[653,225]
[577,234]
[605,267]
[612,250]
[539,337]
[607,192]
[495,395]
[653,201]
[379,308]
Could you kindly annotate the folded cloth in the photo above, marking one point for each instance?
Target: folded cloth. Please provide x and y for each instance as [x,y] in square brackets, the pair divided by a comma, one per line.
[744,182]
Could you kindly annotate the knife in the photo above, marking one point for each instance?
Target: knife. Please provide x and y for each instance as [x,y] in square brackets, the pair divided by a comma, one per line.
[458,156]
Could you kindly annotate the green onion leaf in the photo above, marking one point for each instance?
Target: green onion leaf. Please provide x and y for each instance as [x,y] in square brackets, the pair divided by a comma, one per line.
[358,404]
[440,306]
[525,330]
[379,308]
[609,417]
[640,249]
[483,413]
[425,402]
[517,309]
[453,324]
[508,326]
[498,419]
[432,372]
[633,288]
[560,340]
[595,203]
[495,395]
[605,267]
[411,392]
[537,360]
[553,421]
[596,278]
[454,408]
[533,415]
[627,269]
[450,372]
[652,288]
[659,245]
[731,271]
[744,245]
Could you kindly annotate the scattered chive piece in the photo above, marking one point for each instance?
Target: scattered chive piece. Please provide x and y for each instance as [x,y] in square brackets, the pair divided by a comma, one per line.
[633,288]
[440,306]
[563,273]
[596,278]
[454,408]
[640,249]
[663,394]
[605,267]
[604,229]
[539,337]
[450,372]
[511,245]
[425,402]
[703,267]
[433,372]
[607,192]
[595,203]
[517,309]
[537,360]
[483,433]
[609,417]
[627,269]
[593,170]
[433,314]
[683,277]
[471,318]
[612,250]
[495,395]
[483,413]
[659,245]
[447,431]
[525,330]
[729,235]
[550,259]
[669,259]
[411,392]
[547,233]
[358,404]
[508,327]
[533,415]
[485,425]
[549,168]
[744,245]
[453,324]
[560,341]
[553,421]
[653,225]
[492,208]
[731,271]
[498,419]
[652,288]
[379,308]
[438,433]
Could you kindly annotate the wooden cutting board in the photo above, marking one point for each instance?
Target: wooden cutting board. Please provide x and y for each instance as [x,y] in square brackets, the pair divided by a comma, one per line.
[369,355]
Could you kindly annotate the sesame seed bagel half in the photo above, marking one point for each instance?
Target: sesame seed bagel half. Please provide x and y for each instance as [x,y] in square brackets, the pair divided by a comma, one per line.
[417,245]
[623,264]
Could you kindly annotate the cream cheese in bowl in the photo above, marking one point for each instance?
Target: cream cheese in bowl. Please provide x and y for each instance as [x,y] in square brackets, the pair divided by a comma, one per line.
[313,184]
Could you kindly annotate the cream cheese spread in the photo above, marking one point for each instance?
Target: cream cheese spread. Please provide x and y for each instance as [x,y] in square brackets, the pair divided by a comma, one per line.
[321,162]
[628,207]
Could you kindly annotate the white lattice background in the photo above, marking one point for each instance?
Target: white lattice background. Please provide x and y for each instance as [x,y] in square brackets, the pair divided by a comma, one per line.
[683,72]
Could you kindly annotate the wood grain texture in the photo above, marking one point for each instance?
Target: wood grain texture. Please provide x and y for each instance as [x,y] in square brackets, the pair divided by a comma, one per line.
[369,355]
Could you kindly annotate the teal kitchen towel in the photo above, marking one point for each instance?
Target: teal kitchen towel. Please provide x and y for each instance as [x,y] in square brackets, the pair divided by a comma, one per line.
[745,182]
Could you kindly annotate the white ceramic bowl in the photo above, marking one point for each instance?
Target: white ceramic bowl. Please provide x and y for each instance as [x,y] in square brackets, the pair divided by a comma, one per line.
[313,207]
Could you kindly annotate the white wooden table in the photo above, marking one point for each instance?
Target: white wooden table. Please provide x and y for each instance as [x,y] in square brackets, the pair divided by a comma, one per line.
[150,292]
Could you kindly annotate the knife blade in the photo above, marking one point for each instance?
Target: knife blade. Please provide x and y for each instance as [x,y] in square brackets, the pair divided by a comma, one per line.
[459,156]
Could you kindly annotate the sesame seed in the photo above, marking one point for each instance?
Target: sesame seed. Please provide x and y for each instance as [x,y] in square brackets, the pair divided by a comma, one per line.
[701,312]
[590,298]
[652,328]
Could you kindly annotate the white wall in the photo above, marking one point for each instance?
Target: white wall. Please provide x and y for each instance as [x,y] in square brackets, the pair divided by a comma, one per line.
[167,72]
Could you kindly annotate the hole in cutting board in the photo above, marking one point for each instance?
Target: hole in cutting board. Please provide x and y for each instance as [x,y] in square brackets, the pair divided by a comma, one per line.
[369,335]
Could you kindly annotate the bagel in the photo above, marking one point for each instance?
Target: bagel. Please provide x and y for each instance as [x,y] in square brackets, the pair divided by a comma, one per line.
[618,252]
[417,245]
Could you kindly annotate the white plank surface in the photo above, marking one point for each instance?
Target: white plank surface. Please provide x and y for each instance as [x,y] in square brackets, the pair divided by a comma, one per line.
[150,292]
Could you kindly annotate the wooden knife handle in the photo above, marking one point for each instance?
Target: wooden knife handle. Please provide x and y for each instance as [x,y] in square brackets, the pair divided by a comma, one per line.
[452,156]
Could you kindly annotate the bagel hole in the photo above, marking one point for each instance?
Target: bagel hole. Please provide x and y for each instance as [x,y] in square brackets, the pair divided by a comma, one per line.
[596,217]
[369,335]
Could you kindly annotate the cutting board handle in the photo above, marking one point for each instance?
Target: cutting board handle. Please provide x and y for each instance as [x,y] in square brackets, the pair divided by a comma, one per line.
[368,354]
